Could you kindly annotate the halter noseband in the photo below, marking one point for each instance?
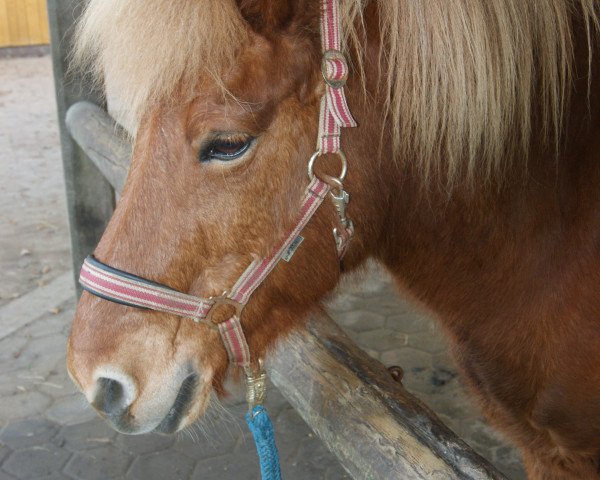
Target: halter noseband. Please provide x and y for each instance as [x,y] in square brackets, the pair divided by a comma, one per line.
[121,287]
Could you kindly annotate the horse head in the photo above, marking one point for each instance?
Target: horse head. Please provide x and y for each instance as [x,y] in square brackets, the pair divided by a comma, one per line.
[217,175]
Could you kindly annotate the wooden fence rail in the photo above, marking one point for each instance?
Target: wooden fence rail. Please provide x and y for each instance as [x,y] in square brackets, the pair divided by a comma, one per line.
[369,421]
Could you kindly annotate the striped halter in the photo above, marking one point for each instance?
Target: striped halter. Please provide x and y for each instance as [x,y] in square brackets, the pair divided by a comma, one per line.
[127,289]
[124,288]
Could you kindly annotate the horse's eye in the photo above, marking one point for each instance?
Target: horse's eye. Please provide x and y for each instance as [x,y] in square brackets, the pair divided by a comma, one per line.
[225,148]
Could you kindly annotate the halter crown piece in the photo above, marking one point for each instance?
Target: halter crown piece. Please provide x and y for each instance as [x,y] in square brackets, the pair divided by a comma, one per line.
[127,289]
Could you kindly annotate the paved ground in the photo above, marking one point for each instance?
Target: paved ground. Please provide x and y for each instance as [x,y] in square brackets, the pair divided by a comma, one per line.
[34,246]
[47,430]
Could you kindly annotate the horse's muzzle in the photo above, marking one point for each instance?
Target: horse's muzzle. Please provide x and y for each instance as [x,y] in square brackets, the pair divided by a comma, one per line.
[113,399]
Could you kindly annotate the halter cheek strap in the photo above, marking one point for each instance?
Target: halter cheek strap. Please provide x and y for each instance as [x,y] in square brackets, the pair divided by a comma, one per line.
[335,113]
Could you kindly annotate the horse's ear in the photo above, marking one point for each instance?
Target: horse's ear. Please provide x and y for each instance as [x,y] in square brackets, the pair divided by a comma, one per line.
[267,16]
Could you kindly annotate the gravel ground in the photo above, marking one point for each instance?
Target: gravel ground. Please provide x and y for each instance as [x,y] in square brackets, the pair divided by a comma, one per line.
[34,244]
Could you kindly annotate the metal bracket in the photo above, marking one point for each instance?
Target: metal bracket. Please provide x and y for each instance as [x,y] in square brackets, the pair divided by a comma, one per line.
[223,301]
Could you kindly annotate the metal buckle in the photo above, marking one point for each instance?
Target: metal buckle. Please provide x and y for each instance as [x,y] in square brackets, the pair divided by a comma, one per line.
[339,196]
[317,154]
[340,199]
[333,55]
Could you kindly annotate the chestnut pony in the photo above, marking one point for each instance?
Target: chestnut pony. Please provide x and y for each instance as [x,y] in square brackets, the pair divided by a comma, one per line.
[474,175]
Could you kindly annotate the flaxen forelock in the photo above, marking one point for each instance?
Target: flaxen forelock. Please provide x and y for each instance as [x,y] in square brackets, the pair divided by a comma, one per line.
[461,77]
[143,50]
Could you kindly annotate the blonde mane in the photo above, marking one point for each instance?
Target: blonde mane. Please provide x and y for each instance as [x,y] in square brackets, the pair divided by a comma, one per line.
[142,50]
[461,77]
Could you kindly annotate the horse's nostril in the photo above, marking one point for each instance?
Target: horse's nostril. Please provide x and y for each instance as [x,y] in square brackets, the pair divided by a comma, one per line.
[110,397]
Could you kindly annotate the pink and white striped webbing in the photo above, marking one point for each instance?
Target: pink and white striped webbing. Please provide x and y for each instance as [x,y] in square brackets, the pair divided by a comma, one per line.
[334,113]
[235,343]
[258,270]
[231,330]
[122,287]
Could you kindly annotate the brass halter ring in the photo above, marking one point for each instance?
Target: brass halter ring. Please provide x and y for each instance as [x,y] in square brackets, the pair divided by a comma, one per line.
[339,179]
[223,300]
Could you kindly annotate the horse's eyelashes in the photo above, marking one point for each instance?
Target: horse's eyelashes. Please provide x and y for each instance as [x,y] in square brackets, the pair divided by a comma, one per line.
[225,148]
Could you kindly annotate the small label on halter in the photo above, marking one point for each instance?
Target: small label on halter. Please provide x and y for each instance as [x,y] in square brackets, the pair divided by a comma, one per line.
[289,253]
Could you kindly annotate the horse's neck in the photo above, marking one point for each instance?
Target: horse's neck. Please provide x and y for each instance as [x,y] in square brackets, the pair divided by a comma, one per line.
[488,254]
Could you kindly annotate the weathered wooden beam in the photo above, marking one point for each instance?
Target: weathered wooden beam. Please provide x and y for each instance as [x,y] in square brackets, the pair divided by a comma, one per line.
[90,198]
[369,421]
[103,141]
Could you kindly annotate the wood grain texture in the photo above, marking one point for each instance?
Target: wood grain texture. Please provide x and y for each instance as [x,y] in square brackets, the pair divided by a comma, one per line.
[102,140]
[23,22]
[372,424]
[4,28]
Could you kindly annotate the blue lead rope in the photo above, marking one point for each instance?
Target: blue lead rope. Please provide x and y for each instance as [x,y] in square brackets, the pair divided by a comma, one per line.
[261,427]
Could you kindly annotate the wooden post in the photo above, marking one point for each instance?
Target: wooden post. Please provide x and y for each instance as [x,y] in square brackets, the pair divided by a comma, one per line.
[369,421]
[90,197]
